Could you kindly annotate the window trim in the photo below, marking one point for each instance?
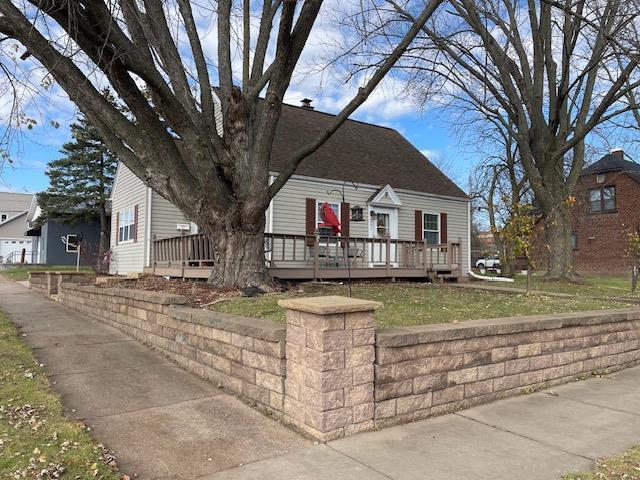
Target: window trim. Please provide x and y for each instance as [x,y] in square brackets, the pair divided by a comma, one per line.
[424,227]
[122,226]
[66,244]
[602,209]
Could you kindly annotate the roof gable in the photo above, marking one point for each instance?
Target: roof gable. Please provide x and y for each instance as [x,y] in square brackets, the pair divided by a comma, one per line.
[13,220]
[385,196]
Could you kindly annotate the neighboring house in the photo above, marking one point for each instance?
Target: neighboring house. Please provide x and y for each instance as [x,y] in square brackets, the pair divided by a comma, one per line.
[607,209]
[55,240]
[403,195]
[13,222]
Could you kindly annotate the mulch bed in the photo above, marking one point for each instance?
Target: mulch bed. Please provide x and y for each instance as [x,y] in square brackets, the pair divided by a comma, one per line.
[197,292]
[201,295]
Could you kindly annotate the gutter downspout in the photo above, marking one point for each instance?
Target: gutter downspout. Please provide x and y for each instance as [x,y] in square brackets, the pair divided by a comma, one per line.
[471,272]
[490,279]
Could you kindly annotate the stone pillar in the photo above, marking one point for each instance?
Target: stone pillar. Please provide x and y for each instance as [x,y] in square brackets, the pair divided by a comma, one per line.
[330,357]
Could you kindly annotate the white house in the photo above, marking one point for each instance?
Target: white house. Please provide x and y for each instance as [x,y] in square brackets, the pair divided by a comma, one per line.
[404,198]
[14,208]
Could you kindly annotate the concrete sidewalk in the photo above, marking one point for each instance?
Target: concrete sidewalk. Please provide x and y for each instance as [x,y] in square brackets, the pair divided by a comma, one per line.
[165,423]
[538,436]
[161,421]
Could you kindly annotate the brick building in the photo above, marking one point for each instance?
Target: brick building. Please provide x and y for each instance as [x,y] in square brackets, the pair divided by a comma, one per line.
[607,209]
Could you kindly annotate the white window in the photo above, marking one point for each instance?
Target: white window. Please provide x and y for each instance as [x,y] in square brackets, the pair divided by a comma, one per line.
[72,243]
[126,226]
[431,226]
[325,230]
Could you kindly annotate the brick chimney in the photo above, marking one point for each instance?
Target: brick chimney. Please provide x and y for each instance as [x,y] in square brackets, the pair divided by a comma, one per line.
[306,103]
[618,152]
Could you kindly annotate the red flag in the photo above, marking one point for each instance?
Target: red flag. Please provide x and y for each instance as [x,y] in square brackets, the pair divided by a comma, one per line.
[329,218]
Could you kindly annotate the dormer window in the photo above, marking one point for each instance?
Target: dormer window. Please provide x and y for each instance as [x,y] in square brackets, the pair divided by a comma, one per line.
[602,200]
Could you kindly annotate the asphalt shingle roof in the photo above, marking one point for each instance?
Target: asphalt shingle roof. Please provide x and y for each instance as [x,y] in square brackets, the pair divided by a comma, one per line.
[358,152]
[612,162]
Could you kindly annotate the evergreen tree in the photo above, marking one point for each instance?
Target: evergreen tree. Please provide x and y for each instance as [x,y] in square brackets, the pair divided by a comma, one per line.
[80,181]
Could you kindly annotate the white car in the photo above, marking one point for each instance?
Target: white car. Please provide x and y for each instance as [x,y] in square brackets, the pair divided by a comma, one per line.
[488,263]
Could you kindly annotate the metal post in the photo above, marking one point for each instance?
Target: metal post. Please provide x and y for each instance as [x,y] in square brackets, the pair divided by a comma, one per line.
[182,253]
[78,259]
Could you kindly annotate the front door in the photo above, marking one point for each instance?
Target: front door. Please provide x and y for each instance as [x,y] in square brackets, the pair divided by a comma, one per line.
[383,223]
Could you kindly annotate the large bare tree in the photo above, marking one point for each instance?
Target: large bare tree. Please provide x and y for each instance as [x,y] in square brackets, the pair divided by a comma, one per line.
[551,71]
[151,53]
[499,185]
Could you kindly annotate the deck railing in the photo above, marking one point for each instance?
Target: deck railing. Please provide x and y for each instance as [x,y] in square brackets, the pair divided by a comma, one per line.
[317,252]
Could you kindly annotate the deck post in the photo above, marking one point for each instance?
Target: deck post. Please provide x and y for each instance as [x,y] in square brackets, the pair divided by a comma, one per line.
[425,266]
[449,254]
[316,249]
[388,255]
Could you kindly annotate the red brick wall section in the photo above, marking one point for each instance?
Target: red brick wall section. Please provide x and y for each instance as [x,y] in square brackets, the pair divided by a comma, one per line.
[601,237]
[431,370]
[245,356]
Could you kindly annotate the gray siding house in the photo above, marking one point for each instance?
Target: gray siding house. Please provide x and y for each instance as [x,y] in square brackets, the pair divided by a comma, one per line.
[412,213]
[14,208]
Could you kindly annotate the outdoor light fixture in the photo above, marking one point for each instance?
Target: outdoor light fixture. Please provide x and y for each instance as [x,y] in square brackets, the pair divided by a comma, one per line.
[357,214]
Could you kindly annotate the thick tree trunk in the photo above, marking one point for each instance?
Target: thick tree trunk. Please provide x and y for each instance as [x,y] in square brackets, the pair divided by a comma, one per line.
[507,258]
[558,237]
[237,254]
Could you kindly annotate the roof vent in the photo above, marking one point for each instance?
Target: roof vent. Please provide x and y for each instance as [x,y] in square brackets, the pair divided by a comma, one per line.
[306,103]
[618,152]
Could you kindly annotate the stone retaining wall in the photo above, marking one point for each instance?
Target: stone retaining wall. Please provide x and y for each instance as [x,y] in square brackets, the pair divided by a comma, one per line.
[337,376]
[433,369]
[39,281]
[240,354]
[49,282]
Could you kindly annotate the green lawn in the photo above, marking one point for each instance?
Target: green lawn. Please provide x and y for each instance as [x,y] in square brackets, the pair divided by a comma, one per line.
[417,304]
[35,436]
[22,273]
[618,286]
[625,466]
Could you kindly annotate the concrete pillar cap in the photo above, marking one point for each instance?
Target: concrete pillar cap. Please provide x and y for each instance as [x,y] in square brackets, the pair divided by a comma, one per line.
[328,305]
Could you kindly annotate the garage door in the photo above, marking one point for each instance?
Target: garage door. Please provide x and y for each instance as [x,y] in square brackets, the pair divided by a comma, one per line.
[8,247]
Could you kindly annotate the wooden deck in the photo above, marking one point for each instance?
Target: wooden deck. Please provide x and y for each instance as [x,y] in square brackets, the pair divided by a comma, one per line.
[304,257]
